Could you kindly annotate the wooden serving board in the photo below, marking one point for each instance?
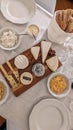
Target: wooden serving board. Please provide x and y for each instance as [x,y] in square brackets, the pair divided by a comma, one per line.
[14,82]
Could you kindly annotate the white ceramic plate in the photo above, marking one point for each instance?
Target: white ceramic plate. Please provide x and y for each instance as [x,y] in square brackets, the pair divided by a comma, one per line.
[6,92]
[18,11]
[49,114]
[65,92]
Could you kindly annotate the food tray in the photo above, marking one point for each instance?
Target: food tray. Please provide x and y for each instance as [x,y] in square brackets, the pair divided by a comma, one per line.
[16,85]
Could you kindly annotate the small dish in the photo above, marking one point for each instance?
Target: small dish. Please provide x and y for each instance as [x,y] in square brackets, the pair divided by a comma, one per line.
[6,92]
[33,30]
[9,38]
[59,92]
[18,11]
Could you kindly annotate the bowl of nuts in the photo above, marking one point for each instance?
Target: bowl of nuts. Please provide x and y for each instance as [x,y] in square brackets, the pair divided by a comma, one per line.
[4,91]
[58,85]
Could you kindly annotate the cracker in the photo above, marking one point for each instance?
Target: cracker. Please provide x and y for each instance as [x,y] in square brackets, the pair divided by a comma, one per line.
[64,19]
[70,27]
[61,19]
[72,12]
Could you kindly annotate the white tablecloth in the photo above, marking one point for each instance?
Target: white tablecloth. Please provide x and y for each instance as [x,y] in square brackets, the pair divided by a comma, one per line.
[17,109]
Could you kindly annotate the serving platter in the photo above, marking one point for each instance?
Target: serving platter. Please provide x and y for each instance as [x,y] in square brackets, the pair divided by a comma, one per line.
[12,73]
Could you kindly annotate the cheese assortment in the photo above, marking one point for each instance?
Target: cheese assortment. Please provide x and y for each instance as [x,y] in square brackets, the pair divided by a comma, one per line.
[29,67]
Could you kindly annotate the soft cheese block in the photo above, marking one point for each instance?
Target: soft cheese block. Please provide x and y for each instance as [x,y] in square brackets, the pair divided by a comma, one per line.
[52,63]
[45,47]
[35,52]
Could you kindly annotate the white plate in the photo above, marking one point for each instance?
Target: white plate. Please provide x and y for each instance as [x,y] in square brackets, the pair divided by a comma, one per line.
[18,11]
[7,92]
[49,114]
[65,92]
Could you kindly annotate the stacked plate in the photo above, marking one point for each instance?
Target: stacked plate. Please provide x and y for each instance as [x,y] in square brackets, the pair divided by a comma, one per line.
[18,11]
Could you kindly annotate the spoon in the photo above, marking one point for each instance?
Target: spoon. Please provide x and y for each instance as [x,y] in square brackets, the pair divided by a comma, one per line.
[27,34]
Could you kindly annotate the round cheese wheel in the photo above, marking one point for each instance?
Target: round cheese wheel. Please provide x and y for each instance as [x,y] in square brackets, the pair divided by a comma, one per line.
[26,78]
[21,62]
[38,70]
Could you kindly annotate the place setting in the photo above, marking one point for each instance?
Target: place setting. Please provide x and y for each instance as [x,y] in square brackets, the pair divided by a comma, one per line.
[41,60]
[49,114]
[18,12]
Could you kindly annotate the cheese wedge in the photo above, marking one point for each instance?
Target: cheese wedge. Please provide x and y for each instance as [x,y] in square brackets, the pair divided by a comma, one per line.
[52,63]
[35,52]
[45,47]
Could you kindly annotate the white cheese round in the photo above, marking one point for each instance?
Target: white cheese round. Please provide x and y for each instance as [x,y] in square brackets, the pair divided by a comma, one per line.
[21,62]
[26,78]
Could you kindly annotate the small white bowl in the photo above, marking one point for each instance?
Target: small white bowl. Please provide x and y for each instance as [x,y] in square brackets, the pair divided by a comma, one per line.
[65,92]
[33,29]
[18,38]
[6,92]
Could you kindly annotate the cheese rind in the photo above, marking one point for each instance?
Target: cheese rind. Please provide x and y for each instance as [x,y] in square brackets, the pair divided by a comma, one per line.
[52,63]
[45,47]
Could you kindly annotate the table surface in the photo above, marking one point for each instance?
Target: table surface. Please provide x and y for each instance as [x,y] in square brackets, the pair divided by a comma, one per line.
[14,108]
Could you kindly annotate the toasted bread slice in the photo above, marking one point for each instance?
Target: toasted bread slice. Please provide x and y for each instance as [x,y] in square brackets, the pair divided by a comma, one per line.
[35,52]
[52,63]
[45,47]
